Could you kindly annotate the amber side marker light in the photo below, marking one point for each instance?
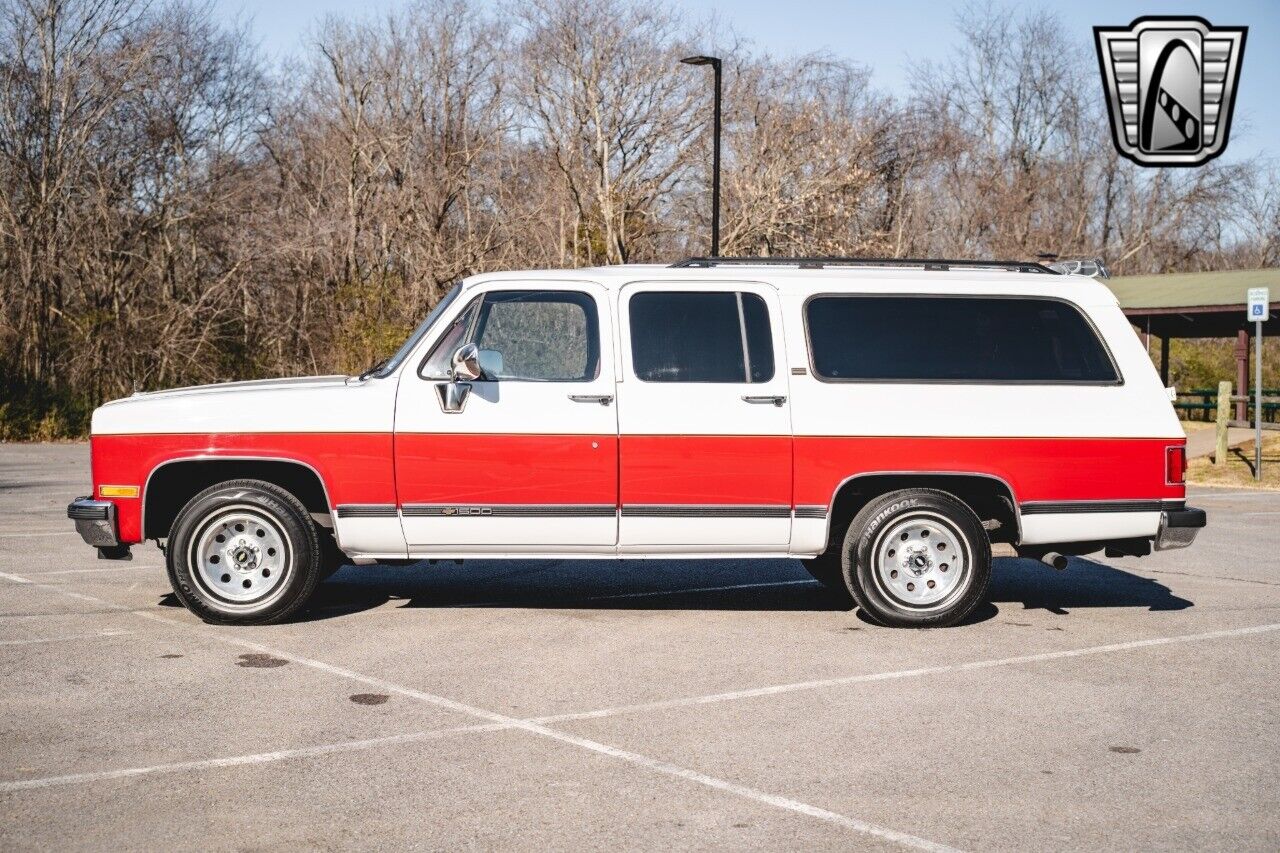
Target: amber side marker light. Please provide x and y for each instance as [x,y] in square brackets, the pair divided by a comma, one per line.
[117,491]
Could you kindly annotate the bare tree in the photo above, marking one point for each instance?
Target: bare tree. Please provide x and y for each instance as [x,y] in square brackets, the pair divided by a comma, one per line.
[121,132]
[601,89]
[389,155]
[810,150]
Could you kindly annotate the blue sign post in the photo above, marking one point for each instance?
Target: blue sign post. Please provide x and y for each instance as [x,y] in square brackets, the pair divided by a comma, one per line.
[1259,308]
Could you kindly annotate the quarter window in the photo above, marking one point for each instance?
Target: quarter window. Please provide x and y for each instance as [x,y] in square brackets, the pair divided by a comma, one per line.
[436,365]
[954,339]
[679,336]
[526,335]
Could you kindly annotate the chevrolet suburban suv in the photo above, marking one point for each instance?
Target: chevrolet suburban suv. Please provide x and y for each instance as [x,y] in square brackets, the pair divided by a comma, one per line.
[884,421]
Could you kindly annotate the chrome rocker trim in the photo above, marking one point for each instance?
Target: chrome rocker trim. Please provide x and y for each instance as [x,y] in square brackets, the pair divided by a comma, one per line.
[706,511]
[508,511]
[1062,507]
[366,510]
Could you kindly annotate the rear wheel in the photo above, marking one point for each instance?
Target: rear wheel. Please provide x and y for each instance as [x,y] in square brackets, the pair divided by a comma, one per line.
[917,558]
[244,552]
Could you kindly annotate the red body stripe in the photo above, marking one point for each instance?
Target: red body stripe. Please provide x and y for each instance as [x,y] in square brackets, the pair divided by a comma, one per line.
[507,469]
[1037,469]
[706,469]
[357,468]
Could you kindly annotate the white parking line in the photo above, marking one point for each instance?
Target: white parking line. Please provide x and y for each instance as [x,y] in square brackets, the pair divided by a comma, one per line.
[653,764]
[778,689]
[33,535]
[128,568]
[1222,578]
[1234,493]
[94,636]
[238,760]
[659,766]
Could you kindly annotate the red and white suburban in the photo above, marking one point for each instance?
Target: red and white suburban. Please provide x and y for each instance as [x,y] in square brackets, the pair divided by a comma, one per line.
[884,421]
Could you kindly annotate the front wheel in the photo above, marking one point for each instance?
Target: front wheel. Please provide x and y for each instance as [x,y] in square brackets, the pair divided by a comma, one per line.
[917,558]
[244,552]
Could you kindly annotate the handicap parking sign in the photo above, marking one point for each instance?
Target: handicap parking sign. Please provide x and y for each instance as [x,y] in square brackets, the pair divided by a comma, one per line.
[1259,299]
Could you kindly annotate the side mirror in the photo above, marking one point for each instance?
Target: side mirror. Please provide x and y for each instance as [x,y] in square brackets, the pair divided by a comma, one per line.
[464,368]
[465,365]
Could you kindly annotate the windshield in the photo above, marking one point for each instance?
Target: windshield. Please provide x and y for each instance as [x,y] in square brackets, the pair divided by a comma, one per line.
[407,347]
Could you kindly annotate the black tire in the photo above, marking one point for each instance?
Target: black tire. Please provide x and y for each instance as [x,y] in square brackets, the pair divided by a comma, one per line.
[291,570]
[927,520]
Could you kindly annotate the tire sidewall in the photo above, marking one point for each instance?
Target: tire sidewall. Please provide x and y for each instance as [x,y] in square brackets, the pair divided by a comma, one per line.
[294,524]
[859,563]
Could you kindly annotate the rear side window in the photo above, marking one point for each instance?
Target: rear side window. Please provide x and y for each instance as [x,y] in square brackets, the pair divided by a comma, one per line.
[679,336]
[953,339]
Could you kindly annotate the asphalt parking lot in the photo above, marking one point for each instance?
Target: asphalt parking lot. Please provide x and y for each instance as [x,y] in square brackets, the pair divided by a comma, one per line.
[1121,704]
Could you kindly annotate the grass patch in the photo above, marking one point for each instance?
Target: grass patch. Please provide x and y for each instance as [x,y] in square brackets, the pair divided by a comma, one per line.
[1196,426]
[1238,470]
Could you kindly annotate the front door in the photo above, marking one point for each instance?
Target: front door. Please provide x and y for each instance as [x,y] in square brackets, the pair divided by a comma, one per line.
[526,458]
[704,418]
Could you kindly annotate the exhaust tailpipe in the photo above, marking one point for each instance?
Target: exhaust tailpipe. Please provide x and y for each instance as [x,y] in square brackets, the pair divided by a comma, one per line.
[1053,558]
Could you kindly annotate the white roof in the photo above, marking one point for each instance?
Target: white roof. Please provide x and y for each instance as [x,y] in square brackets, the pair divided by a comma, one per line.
[869,279]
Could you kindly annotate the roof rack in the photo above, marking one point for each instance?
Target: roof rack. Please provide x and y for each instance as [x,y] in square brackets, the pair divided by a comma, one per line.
[1093,267]
[928,264]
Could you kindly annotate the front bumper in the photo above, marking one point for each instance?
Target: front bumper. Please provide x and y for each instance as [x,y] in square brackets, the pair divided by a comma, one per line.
[1178,528]
[95,522]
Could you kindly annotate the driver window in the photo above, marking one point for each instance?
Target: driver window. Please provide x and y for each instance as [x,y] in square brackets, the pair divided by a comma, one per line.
[527,335]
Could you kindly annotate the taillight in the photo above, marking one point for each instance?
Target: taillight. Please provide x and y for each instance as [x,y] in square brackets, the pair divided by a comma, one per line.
[1175,464]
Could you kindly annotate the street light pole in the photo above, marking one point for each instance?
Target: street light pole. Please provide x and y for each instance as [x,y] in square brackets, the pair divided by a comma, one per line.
[714,62]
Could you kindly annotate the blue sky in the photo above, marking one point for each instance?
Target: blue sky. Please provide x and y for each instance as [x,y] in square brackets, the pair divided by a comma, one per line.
[888,37]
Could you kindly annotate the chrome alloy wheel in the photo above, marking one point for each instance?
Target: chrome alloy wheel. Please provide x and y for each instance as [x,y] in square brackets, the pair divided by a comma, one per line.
[240,555]
[921,561]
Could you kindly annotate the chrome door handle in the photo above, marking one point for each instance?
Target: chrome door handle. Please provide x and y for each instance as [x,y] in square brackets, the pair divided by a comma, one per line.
[602,399]
[777,400]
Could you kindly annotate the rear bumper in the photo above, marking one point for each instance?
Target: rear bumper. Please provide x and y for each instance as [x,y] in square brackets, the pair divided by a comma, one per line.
[1178,528]
[95,522]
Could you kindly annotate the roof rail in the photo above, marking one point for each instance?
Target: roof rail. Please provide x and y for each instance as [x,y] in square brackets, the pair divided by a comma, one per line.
[928,264]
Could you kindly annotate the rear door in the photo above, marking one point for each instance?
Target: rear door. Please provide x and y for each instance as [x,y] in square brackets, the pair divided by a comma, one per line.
[704,419]
[530,462]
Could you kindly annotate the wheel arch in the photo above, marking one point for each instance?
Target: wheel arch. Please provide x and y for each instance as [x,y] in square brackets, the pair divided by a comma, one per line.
[173,482]
[991,497]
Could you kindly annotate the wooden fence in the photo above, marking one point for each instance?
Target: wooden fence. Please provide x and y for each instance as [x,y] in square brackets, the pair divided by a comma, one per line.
[1224,401]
